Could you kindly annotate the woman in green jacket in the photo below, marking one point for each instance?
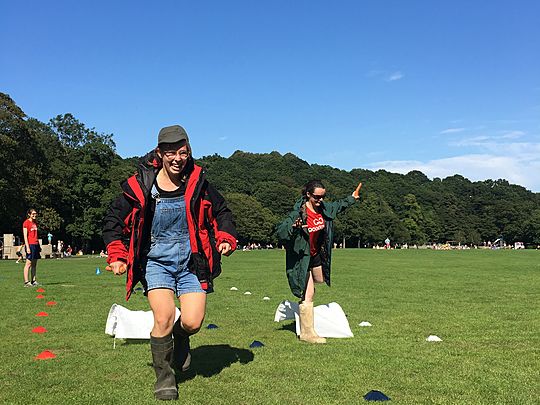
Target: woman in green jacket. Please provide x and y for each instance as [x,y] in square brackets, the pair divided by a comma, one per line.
[308,233]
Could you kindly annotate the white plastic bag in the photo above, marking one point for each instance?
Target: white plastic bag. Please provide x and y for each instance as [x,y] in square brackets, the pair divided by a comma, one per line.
[123,323]
[329,319]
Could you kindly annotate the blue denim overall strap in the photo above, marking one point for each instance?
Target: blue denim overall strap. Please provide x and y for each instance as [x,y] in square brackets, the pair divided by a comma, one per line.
[170,250]
[170,234]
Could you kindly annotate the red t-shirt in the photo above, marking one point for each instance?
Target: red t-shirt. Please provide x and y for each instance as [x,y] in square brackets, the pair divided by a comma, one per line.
[32,232]
[315,223]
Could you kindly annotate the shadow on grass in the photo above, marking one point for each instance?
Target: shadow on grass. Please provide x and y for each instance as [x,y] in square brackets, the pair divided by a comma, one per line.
[134,342]
[208,361]
[70,283]
[291,327]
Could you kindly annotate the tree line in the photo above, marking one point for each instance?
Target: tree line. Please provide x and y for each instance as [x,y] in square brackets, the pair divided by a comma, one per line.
[71,173]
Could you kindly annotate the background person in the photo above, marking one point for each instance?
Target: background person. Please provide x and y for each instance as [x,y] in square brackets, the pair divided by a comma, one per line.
[178,226]
[60,248]
[307,233]
[19,254]
[31,242]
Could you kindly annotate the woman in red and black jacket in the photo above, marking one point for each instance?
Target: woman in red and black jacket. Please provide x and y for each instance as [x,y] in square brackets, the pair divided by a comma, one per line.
[168,230]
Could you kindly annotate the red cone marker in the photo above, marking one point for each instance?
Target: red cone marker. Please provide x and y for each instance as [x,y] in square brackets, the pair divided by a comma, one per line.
[40,290]
[39,296]
[39,329]
[51,303]
[42,314]
[44,355]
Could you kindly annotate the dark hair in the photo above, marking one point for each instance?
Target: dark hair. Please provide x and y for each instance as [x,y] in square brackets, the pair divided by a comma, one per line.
[310,187]
[29,212]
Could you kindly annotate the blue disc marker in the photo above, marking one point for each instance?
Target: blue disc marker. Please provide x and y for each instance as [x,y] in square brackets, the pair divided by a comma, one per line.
[256,343]
[375,395]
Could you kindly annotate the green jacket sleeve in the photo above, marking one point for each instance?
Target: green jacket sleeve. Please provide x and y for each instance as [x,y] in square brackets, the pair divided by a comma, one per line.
[333,208]
[285,230]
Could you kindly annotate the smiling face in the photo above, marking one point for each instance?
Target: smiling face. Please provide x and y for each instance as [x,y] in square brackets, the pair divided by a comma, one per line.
[316,197]
[174,157]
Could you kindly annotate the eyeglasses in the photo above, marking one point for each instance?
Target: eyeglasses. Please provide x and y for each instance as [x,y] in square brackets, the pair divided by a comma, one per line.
[318,197]
[172,154]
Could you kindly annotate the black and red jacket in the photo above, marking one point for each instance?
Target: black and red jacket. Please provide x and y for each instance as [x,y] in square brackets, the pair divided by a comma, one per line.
[127,225]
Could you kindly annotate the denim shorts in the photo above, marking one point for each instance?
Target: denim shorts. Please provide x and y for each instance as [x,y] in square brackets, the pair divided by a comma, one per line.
[181,282]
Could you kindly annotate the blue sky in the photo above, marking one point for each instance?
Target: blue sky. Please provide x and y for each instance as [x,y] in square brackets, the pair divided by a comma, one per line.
[441,87]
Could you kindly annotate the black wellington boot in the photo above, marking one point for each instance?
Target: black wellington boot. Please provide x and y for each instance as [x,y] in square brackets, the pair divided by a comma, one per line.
[182,355]
[162,357]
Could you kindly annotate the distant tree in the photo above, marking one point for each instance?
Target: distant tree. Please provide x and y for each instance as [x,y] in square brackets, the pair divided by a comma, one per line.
[20,183]
[531,229]
[414,220]
[349,226]
[90,156]
[74,134]
[254,222]
[377,221]
[275,196]
[49,220]
[71,173]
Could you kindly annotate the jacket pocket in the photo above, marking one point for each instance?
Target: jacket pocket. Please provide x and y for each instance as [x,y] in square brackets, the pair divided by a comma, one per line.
[198,263]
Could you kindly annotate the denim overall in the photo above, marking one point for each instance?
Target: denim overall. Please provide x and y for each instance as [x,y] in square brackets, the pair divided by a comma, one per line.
[170,250]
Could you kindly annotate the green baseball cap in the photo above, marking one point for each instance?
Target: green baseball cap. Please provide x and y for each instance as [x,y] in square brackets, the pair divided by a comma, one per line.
[172,134]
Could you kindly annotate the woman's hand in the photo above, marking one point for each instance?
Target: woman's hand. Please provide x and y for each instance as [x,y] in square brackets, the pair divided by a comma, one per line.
[225,248]
[298,223]
[118,268]
[356,193]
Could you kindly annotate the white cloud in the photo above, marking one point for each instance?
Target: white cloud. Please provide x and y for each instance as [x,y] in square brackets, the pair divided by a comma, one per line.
[223,138]
[452,130]
[512,135]
[386,75]
[502,143]
[513,166]
[523,151]
[480,140]
[395,76]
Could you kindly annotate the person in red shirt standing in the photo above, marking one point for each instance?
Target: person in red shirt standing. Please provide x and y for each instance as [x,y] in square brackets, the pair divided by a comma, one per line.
[308,235]
[30,233]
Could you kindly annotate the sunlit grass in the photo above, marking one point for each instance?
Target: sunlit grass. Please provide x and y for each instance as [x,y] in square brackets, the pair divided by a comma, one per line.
[483,304]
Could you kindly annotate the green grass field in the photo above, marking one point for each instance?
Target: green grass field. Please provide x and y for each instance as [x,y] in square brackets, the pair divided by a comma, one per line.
[484,305]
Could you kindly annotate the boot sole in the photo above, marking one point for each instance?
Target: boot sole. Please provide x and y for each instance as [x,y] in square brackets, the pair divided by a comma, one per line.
[166,395]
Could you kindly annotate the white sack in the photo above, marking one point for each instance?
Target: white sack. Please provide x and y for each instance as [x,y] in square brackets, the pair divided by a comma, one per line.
[286,310]
[329,320]
[123,323]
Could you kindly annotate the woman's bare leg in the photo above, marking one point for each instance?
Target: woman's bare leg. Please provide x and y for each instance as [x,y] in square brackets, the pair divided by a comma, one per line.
[317,274]
[164,309]
[33,270]
[310,288]
[27,266]
[192,309]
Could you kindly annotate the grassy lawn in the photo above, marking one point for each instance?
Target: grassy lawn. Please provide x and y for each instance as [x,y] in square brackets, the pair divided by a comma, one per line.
[484,305]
